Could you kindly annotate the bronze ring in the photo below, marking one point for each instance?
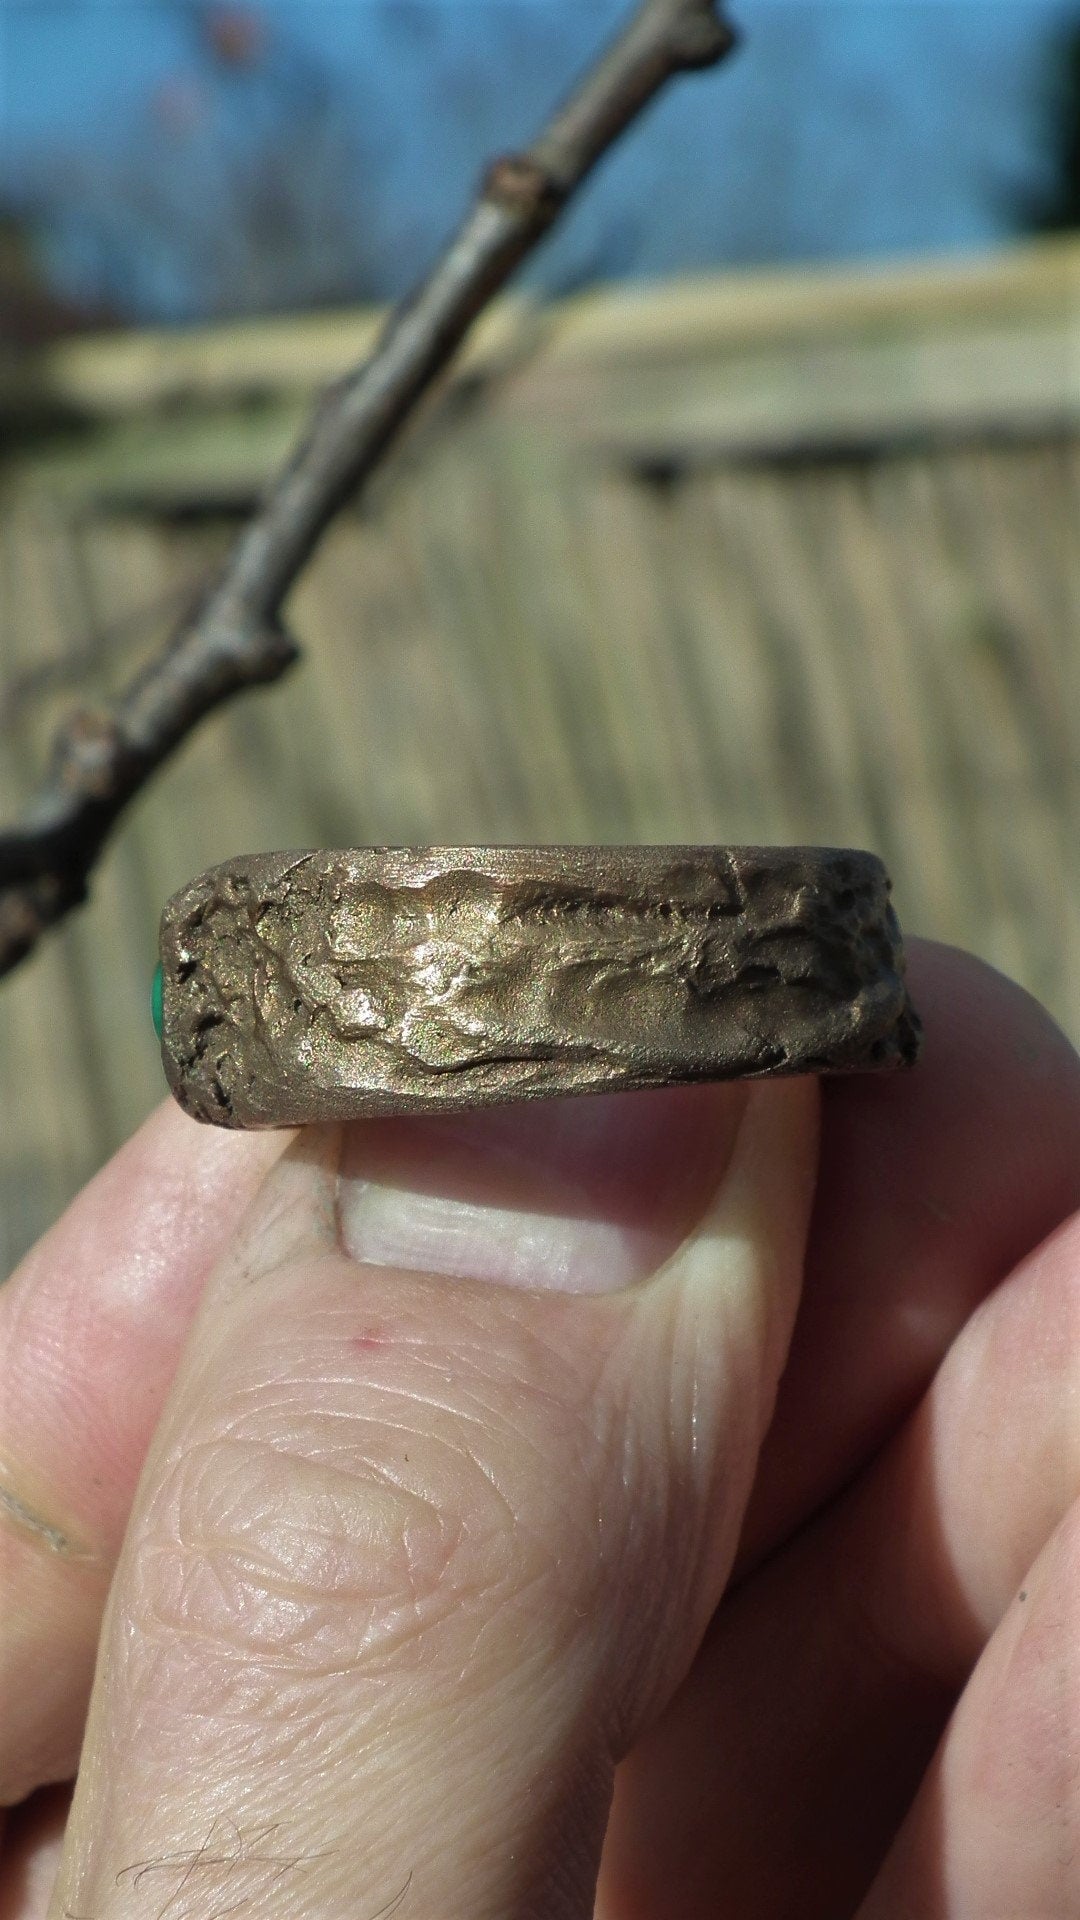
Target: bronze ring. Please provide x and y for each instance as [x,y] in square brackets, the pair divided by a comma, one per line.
[303,987]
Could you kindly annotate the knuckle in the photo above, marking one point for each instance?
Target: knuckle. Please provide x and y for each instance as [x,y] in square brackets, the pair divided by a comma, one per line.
[327,1550]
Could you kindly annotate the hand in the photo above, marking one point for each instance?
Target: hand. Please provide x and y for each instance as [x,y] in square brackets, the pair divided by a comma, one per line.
[416,1558]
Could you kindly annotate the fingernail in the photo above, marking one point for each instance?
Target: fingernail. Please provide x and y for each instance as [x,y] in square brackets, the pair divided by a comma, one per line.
[575,1196]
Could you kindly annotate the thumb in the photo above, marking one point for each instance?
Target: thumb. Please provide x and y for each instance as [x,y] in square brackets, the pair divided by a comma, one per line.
[447,1488]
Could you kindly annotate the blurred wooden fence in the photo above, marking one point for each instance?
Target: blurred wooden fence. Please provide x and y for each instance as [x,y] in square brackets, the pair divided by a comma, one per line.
[785,559]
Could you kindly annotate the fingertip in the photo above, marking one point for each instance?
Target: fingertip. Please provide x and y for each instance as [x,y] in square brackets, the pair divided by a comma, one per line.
[976,1149]
[974,1012]
[934,1183]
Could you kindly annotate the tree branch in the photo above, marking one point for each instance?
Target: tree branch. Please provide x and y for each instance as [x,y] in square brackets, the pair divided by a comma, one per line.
[235,639]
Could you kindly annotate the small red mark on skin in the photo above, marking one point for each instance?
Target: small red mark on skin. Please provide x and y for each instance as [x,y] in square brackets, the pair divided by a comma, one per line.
[368,1340]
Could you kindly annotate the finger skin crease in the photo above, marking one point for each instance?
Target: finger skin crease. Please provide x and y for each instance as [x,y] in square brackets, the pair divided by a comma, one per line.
[43,1532]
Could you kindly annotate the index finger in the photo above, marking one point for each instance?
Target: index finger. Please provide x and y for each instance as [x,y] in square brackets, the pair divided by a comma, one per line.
[932,1186]
[91,1326]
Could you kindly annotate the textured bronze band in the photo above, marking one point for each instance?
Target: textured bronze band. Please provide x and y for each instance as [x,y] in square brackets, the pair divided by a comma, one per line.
[305,987]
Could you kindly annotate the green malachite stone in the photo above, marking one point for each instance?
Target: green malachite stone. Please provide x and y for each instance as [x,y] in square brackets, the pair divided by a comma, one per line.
[156,1001]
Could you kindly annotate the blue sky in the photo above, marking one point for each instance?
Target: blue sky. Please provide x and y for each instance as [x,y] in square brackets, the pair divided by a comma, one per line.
[844,128]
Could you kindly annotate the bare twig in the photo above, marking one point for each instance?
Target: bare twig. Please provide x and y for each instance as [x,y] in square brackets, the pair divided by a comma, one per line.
[102,757]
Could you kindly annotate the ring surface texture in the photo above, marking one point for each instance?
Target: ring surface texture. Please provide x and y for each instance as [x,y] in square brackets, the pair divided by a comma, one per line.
[306,987]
